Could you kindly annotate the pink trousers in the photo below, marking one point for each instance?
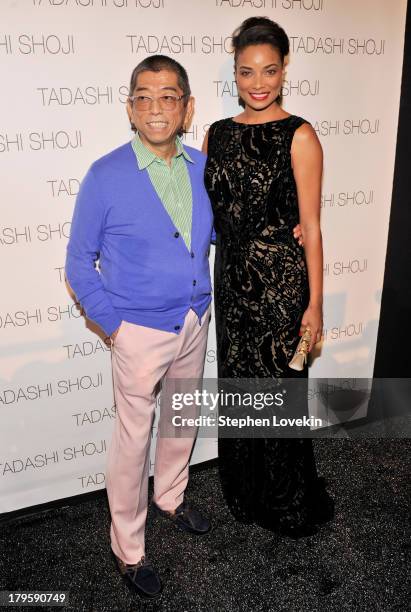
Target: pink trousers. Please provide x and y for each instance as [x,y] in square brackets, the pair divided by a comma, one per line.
[141,358]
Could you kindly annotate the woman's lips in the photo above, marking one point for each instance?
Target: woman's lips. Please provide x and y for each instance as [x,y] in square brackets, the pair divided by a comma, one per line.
[259,96]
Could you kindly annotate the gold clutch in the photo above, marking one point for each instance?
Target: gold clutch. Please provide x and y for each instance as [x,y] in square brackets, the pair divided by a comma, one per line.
[300,356]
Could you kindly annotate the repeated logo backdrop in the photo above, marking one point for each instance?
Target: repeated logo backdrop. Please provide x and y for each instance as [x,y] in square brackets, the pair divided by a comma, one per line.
[65,66]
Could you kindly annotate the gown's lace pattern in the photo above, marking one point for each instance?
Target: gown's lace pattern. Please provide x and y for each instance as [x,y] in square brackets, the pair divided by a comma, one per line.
[260,291]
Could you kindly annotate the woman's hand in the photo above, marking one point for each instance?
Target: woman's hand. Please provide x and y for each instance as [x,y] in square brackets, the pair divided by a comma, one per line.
[298,235]
[313,320]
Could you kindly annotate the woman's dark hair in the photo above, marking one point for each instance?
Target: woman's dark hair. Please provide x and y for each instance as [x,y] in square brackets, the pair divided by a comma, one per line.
[260,31]
[156,63]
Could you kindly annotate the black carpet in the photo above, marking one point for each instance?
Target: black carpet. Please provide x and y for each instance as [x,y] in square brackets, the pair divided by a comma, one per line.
[358,562]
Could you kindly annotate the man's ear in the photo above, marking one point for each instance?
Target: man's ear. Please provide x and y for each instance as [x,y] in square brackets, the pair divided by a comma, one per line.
[129,111]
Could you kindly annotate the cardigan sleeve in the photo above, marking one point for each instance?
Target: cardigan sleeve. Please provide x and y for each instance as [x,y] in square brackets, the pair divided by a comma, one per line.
[83,251]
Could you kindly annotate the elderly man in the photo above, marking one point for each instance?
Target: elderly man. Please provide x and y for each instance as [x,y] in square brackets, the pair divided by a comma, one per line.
[143,213]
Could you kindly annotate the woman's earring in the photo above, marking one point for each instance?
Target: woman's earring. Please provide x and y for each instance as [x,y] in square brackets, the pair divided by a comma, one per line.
[279,98]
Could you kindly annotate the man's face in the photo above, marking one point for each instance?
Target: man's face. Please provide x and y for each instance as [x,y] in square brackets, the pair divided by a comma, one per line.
[156,126]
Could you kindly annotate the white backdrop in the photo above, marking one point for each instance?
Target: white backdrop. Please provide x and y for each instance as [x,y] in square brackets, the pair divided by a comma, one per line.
[65,67]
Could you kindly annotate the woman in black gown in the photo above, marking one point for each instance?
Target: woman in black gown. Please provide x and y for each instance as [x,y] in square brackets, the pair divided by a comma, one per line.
[263,176]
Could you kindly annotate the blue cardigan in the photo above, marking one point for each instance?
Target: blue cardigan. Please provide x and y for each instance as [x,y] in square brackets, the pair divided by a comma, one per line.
[146,274]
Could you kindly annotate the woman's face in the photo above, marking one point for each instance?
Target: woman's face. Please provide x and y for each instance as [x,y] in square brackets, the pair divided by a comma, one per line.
[259,75]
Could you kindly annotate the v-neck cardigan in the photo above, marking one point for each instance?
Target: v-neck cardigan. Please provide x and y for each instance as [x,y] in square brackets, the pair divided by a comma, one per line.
[146,276]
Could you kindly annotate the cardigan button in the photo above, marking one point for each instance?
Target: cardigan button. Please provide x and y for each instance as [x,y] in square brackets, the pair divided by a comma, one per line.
[194,283]
[176,327]
[192,254]
[176,235]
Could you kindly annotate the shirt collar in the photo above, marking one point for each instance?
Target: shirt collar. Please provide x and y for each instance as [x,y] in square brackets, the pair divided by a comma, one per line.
[145,157]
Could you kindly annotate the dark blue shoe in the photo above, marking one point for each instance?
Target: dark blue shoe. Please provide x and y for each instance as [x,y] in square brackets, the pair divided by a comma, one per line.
[141,578]
[185,518]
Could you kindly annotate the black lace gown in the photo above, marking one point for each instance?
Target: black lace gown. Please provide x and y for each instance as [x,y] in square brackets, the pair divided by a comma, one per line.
[260,291]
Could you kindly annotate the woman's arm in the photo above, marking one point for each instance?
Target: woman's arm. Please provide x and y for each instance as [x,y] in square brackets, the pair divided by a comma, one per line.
[204,148]
[307,163]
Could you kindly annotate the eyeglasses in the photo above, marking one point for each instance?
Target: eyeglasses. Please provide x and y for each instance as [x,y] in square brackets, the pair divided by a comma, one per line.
[166,102]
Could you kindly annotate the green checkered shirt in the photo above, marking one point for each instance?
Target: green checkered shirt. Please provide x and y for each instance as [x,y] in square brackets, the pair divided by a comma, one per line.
[172,184]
